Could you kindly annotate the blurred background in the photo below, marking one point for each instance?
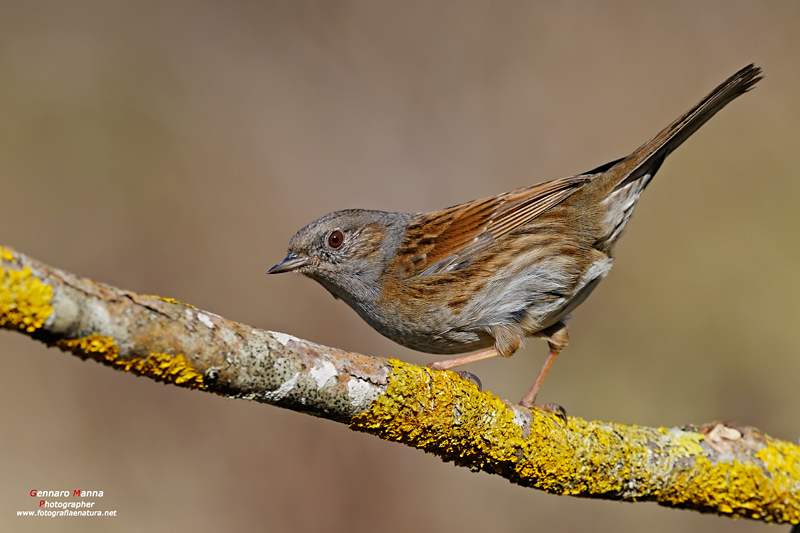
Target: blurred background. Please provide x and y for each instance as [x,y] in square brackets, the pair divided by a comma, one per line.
[174,148]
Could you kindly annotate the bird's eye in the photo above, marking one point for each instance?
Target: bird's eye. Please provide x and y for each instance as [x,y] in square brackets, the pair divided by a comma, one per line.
[335,239]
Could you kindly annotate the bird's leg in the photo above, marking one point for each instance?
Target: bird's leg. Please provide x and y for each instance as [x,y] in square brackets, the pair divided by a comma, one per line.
[557,338]
[447,364]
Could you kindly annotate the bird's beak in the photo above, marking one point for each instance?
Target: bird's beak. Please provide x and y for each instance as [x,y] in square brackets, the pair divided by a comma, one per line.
[290,262]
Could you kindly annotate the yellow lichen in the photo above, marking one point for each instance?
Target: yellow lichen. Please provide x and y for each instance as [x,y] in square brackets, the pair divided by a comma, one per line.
[91,346]
[782,460]
[733,488]
[169,300]
[25,301]
[686,443]
[442,414]
[164,367]
[457,422]
[158,366]
[744,489]
[5,255]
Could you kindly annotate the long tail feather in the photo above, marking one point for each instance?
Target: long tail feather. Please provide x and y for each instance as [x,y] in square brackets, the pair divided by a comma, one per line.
[621,182]
[648,158]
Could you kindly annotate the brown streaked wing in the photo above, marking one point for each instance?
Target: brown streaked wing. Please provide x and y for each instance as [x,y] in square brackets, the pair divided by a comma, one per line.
[439,241]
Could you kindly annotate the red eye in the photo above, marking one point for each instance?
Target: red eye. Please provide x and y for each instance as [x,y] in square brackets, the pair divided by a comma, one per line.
[335,239]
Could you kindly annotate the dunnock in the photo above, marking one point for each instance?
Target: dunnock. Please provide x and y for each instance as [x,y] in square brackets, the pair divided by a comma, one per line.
[488,273]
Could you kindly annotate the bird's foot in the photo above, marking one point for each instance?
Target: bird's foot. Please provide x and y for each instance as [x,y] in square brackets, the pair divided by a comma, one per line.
[554,408]
[471,378]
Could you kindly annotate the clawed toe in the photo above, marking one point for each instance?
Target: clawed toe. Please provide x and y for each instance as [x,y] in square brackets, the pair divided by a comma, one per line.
[470,377]
[554,408]
[463,374]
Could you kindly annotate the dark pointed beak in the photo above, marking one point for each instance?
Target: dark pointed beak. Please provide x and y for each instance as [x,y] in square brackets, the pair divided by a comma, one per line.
[290,262]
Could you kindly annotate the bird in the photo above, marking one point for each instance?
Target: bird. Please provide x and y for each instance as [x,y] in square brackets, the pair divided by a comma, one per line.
[483,275]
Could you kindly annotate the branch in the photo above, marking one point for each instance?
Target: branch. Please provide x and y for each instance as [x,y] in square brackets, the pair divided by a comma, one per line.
[718,468]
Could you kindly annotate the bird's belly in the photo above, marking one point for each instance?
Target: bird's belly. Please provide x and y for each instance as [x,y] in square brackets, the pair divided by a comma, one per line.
[426,333]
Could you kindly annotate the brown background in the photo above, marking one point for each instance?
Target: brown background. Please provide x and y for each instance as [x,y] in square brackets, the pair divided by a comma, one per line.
[174,148]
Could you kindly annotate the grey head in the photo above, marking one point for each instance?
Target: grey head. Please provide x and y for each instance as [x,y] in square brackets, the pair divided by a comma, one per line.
[347,252]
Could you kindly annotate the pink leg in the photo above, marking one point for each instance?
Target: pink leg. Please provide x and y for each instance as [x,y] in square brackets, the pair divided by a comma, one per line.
[447,364]
[558,338]
[529,398]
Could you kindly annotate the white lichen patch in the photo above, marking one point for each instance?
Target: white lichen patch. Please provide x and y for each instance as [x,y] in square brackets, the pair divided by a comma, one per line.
[206,320]
[322,374]
[65,313]
[519,418]
[361,393]
[283,338]
[281,392]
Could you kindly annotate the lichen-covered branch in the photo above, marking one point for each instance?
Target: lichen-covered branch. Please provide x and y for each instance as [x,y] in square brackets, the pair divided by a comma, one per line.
[721,468]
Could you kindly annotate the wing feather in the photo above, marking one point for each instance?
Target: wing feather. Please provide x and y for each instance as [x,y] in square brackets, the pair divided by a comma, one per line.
[445,240]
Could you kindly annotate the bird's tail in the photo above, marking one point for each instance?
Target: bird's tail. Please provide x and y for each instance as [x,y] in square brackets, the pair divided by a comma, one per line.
[622,181]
